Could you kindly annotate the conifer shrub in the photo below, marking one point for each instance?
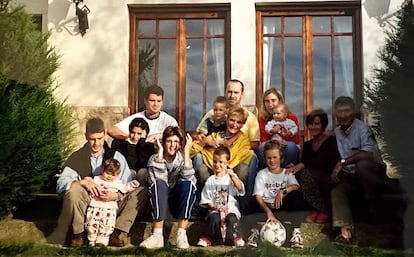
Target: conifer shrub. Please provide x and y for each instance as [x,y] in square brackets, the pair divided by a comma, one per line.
[389,93]
[36,128]
[25,55]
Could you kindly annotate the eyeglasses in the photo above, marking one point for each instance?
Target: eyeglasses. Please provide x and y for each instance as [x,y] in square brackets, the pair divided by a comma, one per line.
[172,142]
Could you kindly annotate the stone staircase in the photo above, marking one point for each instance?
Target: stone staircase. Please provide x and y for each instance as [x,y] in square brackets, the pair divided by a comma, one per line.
[34,221]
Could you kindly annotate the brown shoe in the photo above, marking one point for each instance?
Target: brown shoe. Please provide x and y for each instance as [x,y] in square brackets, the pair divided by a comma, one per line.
[114,239]
[77,240]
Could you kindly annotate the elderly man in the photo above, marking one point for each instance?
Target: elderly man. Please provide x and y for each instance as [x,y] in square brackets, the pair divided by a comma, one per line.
[358,173]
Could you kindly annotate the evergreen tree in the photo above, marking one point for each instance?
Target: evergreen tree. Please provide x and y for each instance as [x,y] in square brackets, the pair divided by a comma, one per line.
[24,53]
[389,93]
[36,129]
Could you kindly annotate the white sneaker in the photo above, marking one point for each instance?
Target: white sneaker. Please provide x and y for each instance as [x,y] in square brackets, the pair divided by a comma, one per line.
[296,241]
[253,238]
[204,242]
[182,241]
[152,242]
[239,242]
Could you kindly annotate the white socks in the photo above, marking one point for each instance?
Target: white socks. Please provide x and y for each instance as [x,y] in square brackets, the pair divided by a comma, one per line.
[158,231]
[181,231]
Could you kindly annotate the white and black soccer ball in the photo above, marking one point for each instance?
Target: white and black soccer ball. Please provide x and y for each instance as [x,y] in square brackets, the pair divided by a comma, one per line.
[274,233]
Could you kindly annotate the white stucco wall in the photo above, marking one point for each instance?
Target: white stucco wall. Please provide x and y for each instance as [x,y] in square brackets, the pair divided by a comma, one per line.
[373,34]
[94,68]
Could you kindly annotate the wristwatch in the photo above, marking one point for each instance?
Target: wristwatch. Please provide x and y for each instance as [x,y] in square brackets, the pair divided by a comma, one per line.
[285,191]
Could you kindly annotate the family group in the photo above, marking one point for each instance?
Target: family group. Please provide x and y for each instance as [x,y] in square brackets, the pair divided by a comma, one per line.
[235,163]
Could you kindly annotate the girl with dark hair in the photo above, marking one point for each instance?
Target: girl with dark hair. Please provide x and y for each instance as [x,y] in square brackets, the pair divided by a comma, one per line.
[172,185]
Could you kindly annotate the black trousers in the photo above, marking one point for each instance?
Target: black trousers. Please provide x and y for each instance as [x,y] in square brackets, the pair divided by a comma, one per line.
[213,232]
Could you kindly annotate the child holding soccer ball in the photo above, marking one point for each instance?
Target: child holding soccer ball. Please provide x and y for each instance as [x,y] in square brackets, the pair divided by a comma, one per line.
[223,219]
[275,190]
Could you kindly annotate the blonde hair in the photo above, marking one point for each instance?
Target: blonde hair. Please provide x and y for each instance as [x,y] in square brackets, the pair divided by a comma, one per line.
[240,111]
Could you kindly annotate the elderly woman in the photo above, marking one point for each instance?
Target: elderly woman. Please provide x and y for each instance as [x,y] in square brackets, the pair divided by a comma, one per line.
[319,157]
[271,98]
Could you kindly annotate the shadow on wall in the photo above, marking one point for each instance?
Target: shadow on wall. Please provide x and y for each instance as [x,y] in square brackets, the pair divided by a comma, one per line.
[380,10]
[58,13]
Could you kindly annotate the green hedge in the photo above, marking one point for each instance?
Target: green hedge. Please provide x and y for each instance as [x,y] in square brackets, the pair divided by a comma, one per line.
[30,144]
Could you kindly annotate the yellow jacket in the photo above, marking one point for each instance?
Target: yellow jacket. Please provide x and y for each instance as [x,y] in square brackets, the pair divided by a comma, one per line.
[239,151]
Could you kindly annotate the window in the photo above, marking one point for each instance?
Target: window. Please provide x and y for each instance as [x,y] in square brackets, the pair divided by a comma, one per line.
[311,52]
[37,21]
[185,50]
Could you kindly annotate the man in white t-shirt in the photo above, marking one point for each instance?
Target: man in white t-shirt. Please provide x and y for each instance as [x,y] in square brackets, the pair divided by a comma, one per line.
[157,119]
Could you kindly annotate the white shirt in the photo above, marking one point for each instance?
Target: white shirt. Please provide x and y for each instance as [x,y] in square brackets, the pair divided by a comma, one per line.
[221,191]
[268,184]
[110,186]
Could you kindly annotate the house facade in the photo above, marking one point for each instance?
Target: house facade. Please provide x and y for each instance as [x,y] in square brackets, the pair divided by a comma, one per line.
[313,51]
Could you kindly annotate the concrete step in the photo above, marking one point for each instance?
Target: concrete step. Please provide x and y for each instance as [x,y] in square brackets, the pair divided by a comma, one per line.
[35,220]
[15,231]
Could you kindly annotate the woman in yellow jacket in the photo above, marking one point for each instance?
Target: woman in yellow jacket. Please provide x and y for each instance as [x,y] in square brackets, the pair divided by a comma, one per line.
[243,160]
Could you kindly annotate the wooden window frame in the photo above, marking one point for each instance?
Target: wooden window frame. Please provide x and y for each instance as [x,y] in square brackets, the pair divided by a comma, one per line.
[174,11]
[329,8]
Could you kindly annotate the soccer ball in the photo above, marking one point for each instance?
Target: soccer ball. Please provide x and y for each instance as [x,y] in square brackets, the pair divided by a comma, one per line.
[274,233]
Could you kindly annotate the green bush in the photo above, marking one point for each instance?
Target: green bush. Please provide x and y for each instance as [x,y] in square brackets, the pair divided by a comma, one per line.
[30,143]
[389,93]
[37,130]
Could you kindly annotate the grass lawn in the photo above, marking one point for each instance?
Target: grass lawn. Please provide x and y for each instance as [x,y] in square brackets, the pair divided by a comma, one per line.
[264,250]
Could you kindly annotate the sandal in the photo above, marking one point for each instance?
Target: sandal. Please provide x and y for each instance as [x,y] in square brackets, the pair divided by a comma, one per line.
[341,239]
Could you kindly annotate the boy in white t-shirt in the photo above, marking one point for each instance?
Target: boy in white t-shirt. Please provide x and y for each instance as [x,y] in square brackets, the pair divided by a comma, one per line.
[218,195]
[277,190]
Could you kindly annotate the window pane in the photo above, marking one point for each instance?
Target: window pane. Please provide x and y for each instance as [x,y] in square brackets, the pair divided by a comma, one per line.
[167,28]
[146,27]
[146,58]
[194,83]
[146,62]
[215,70]
[215,27]
[272,65]
[271,25]
[167,73]
[344,78]
[37,21]
[196,92]
[194,27]
[321,24]
[322,75]
[343,24]
[293,25]
[294,76]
